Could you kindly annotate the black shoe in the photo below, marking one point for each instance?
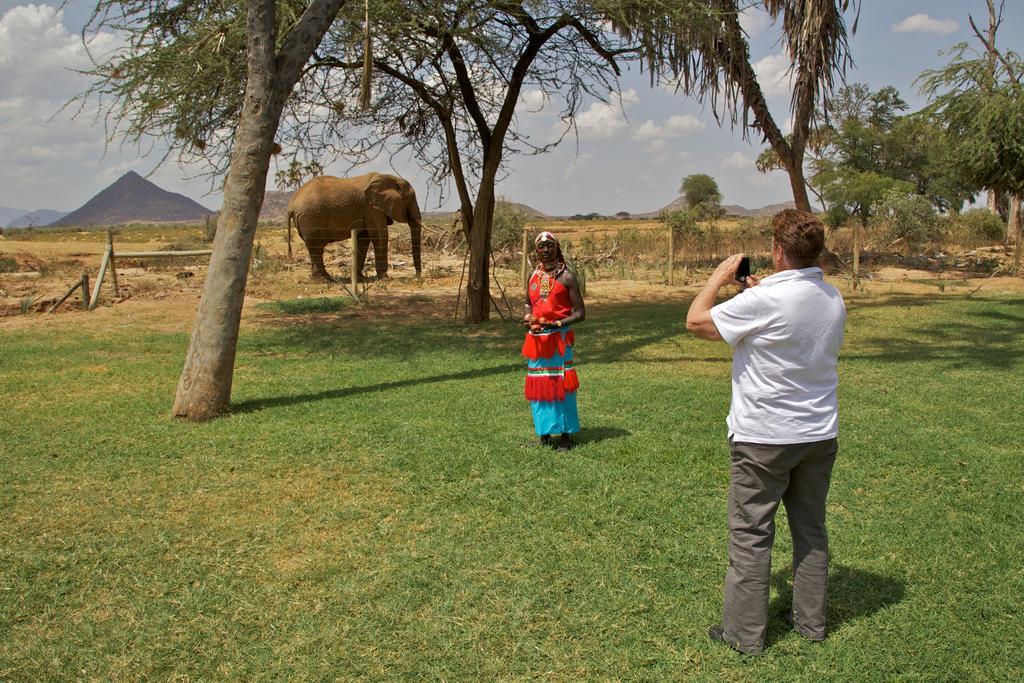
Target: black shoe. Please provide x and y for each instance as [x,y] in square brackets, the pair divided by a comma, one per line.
[564,443]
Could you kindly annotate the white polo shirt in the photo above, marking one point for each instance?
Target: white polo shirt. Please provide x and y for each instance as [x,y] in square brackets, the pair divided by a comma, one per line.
[785,335]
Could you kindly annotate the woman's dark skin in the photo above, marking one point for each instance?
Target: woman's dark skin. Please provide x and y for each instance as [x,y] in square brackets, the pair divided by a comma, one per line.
[547,254]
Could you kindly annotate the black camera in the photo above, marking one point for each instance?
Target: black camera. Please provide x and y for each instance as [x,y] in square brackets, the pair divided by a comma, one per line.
[743,270]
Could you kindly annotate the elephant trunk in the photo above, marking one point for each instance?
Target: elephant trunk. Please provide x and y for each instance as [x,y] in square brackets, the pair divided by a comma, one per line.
[416,236]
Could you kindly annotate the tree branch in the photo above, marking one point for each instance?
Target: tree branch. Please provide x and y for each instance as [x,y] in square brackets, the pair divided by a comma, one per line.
[993,51]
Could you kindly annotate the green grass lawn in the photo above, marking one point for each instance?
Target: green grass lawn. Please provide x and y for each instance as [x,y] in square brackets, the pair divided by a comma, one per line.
[374,506]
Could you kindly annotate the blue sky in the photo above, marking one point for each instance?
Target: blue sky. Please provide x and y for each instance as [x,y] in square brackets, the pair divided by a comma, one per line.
[629,159]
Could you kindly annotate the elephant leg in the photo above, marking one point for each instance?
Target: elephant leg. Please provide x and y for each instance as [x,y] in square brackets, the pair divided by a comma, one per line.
[362,245]
[316,262]
[380,255]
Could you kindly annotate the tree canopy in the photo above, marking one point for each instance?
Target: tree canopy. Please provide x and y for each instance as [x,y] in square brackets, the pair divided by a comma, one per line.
[702,195]
[703,49]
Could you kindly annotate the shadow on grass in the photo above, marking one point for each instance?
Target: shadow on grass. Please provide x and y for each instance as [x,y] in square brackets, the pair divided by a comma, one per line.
[852,594]
[254,405]
[985,337]
[596,434]
[613,337]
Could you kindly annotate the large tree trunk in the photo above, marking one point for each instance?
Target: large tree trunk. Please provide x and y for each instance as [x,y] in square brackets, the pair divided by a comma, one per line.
[799,187]
[479,288]
[1013,220]
[205,386]
[993,201]
[204,389]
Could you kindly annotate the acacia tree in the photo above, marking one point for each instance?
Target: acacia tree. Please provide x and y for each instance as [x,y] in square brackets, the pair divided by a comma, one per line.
[448,79]
[187,72]
[710,59]
[702,195]
[977,99]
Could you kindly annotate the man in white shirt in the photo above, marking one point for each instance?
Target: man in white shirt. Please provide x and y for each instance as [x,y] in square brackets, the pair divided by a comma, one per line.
[785,332]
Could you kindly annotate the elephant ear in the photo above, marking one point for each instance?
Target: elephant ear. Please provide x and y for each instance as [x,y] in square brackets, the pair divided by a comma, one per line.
[388,194]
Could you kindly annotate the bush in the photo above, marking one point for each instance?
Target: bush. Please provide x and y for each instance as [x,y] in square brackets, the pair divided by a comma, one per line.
[507,228]
[977,226]
[8,264]
[682,223]
[910,217]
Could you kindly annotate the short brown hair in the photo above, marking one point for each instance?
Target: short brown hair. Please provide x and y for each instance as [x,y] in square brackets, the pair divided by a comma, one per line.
[801,236]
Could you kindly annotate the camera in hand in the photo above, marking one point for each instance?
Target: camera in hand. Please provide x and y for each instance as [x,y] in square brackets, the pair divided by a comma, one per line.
[743,270]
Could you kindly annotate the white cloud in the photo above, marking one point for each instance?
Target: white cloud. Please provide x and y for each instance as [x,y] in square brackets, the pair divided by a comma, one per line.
[754,21]
[656,146]
[773,73]
[648,130]
[46,70]
[674,127]
[628,96]
[682,124]
[737,160]
[52,159]
[532,101]
[922,23]
[603,120]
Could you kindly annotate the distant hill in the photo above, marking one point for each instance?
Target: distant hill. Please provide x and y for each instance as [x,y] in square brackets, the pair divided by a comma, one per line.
[679,203]
[39,217]
[275,206]
[133,198]
[8,214]
[770,210]
[529,210]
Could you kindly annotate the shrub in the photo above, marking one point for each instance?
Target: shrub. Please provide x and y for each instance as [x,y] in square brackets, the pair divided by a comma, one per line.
[8,264]
[507,228]
[977,226]
[910,217]
[322,304]
[682,223]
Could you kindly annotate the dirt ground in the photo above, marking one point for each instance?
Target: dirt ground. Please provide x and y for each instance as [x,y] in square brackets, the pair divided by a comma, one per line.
[164,293]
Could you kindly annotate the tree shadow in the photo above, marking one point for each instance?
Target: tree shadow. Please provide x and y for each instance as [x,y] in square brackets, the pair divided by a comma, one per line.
[257,404]
[979,338]
[614,334]
[852,594]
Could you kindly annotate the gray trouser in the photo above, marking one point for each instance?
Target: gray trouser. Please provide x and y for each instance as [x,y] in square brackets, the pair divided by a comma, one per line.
[762,475]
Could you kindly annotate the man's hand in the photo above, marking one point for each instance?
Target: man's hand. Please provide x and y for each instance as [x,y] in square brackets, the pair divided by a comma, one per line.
[698,318]
[725,273]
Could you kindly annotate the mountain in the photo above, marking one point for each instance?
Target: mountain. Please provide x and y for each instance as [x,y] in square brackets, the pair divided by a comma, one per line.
[770,210]
[275,206]
[679,203]
[9,214]
[39,217]
[133,198]
[529,210]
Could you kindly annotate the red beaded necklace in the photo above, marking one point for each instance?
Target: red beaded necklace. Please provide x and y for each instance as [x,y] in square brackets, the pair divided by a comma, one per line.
[548,279]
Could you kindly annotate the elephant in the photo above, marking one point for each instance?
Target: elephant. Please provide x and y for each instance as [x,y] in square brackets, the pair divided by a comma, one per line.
[329,209]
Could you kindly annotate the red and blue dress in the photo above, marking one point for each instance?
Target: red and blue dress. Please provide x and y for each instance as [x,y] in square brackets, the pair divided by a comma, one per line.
[551,380]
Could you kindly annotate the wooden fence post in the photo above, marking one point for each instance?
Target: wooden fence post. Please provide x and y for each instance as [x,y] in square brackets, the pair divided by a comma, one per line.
[85,291]
[113,267]
[64,298]
[671,255]
[99,278]
[524,274]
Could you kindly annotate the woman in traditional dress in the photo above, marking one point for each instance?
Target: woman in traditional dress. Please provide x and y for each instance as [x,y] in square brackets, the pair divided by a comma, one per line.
[553,304]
